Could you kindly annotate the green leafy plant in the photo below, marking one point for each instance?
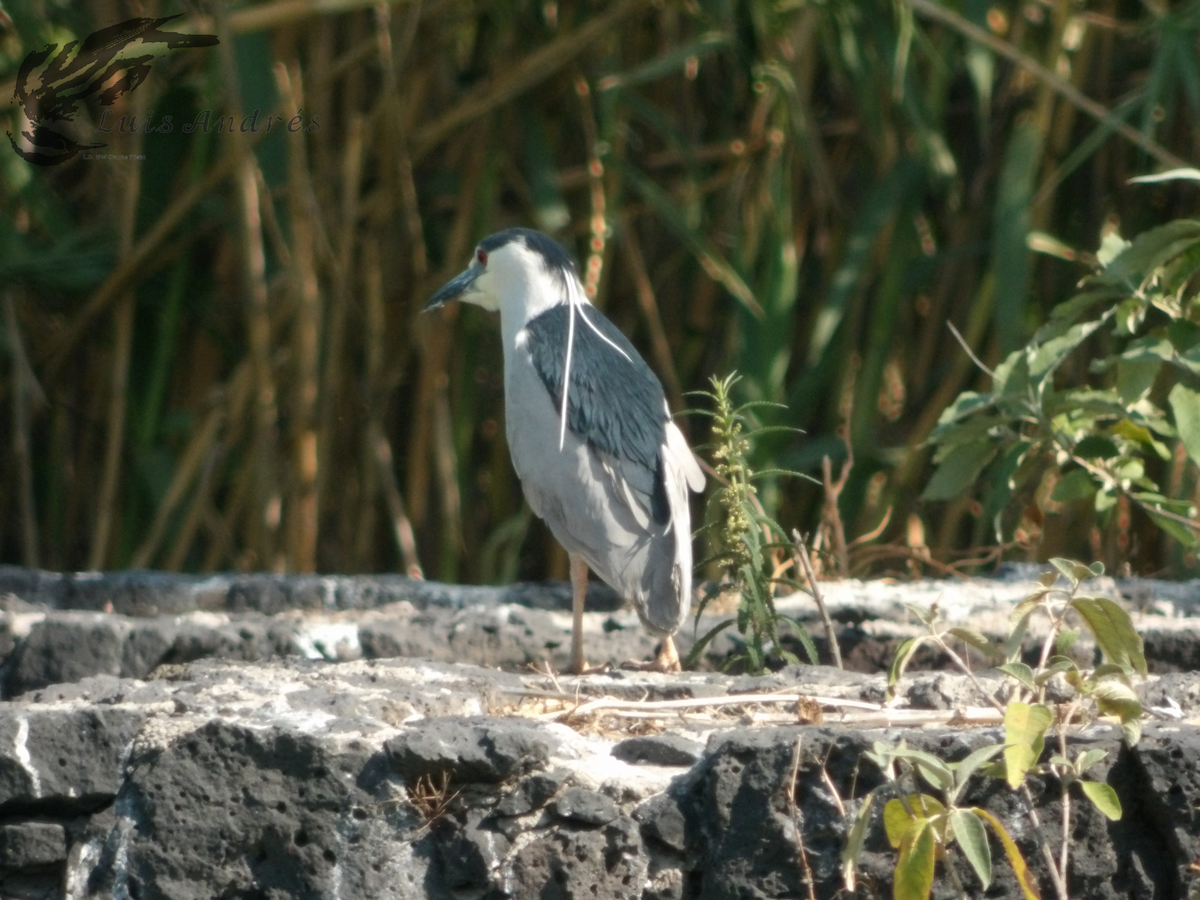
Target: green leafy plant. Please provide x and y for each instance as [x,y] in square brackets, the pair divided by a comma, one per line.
[1070,441]
[745,536]
[921,827]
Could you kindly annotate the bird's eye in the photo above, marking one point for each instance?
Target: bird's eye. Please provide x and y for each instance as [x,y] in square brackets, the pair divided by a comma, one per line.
[481,255]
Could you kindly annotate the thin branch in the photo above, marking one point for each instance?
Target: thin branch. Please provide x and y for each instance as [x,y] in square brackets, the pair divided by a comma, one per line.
[967,347]
[803,561]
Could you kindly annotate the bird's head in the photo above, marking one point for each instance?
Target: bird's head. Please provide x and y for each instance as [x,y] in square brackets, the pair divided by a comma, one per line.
[518,272]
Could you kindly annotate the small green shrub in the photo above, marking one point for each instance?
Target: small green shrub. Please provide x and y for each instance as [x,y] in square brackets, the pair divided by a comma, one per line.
[1069,442]
[744,536]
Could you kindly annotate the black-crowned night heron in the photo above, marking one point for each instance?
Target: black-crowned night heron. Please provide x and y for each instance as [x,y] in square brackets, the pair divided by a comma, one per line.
[611,477]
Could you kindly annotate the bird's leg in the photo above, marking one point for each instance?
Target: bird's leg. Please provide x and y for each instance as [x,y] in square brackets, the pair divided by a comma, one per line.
[667,659]
[579,583]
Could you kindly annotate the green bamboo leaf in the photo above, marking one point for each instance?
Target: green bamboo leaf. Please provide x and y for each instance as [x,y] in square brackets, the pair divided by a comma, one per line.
[914,867]
[855,840]
[1114,631]
[1015,859]
[976,639]
[1025,733]
[672,62]
[1185,174]
[1011,225]
[884,200]
[698,648]
[1103,797]
[706,253]
[968,831]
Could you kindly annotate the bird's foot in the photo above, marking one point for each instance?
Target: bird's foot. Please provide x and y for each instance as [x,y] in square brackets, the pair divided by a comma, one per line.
[665,660]
[584,669]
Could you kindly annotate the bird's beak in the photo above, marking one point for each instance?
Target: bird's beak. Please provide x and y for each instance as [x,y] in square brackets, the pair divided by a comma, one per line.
[460,284]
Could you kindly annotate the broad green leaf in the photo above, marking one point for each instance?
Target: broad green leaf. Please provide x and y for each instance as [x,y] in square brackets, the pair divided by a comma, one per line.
[959,470]
[1103,797]
[1087,759]
[1075,485]
[855,840]
[1135,377]
[964,404]
[1066,640]
[1047,580]
[932,769]
[1056,666]
[1074,572]
[1031,603]
[1015,641]
[1019,671]
[971,764]
[914,868]
[1186,536]
[1154,247]
[1112,245]
[1096,446]
[1117,699]
[1185,406]
[976,639]
[1025,731]
[896,819]
[968,831]
[1113,629]
[1015,859]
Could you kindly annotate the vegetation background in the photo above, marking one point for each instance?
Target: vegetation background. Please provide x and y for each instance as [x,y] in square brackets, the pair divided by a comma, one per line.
[211,350]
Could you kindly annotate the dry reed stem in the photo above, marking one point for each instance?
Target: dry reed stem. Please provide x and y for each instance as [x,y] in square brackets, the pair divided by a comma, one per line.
[26,393]
[532,69]
[301,505]
[644,291]
[804,562]
[129,179]
[1065,89]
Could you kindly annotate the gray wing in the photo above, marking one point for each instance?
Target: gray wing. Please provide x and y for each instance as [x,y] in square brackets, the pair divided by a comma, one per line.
[615,404]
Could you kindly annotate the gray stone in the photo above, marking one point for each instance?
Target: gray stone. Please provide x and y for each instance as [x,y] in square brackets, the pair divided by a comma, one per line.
[659,750]
[70,757]
[606,863]
[32,844]
[531,792]
[470,750]
[585,806]
[662,820]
